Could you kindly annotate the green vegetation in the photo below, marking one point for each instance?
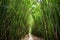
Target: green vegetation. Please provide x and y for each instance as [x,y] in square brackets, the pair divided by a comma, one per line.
[39,17]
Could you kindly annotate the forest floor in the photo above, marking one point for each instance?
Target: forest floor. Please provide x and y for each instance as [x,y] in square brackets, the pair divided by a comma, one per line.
[31,38]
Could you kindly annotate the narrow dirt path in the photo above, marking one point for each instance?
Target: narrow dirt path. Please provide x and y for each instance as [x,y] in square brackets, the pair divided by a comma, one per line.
[33,38]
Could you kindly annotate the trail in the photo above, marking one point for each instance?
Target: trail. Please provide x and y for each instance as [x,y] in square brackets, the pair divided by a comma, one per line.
[31,37]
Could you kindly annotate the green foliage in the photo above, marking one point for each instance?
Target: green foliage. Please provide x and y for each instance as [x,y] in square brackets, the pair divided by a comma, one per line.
[17,16]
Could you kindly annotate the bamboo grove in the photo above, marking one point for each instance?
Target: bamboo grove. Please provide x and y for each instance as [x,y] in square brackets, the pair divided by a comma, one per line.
[14,19]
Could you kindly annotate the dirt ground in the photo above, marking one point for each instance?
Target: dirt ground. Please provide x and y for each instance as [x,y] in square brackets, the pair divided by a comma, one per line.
[33,38]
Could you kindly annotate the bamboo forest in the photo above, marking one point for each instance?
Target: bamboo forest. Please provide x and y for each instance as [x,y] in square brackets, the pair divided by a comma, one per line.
[29,19]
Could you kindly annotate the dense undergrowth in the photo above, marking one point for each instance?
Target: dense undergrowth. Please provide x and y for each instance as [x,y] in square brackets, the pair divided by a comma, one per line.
[14,21]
